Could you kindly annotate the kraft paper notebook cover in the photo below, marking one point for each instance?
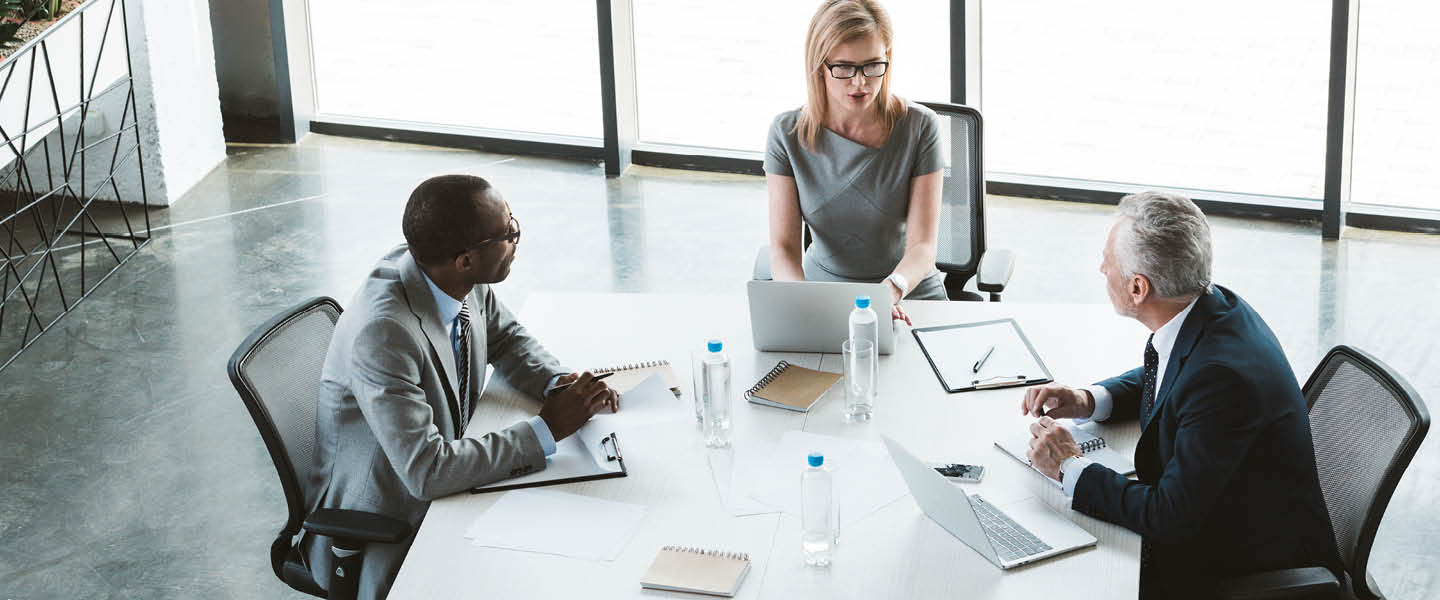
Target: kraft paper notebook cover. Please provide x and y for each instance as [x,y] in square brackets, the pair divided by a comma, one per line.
[626,377]
[697,570]
[791,387]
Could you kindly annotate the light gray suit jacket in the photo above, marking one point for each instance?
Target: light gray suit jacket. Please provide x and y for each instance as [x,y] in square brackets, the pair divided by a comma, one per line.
[385,423]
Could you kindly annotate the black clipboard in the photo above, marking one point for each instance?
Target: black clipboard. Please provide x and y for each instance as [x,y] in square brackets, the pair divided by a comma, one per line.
[612,453]
[1022,379]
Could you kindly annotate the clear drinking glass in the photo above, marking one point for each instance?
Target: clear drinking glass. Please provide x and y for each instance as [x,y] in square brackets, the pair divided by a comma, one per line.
[697,383]
[861,373]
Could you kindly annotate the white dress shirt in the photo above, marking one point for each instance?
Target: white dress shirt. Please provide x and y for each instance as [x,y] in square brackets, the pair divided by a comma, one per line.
[1164,343]
[450,314]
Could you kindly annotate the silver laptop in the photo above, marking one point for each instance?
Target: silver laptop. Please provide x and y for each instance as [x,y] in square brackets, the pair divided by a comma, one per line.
[813,316]
[1008,536]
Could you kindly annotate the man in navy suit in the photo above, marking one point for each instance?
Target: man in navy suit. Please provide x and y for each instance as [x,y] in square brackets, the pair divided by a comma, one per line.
[1225,464]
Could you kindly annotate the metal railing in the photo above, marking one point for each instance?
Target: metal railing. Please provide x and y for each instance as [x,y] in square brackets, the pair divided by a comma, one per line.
[58,179]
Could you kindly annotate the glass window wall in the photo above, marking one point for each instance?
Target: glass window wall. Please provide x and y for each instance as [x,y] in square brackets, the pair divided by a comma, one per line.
[1226,96]
[500,64]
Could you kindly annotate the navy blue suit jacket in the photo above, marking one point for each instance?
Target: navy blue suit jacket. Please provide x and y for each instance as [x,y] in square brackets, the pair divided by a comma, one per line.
[1225,464]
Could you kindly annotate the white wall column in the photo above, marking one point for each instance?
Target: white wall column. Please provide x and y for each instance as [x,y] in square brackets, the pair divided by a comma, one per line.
[173,58]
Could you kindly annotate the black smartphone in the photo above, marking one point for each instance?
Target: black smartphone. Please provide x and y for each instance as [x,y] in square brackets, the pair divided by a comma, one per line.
[960,472]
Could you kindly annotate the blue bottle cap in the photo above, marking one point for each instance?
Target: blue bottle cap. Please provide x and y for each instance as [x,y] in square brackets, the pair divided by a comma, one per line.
[862,302]
[715,345]
[816,459]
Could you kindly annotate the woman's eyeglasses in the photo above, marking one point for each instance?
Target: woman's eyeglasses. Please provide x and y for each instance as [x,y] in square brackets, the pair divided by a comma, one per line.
[846,71]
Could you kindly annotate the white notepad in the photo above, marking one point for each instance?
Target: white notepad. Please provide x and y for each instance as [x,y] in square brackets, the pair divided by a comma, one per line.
[697,570]
[1091,445]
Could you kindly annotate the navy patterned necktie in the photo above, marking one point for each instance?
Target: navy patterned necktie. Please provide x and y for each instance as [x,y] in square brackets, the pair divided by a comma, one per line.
[462,361]
[1152,370]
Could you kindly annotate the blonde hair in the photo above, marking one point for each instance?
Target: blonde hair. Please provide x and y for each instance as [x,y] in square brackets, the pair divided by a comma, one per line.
[837,22]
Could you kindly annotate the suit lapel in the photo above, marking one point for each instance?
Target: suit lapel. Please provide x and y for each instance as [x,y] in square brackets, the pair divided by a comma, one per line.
[422,304]
[1185,342]
[478,358]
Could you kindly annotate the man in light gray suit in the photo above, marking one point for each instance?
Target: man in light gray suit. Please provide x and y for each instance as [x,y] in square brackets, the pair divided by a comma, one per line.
[405,368]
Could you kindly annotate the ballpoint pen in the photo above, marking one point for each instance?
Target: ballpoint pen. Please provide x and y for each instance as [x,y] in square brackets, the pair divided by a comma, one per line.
[981,362]
[566,385]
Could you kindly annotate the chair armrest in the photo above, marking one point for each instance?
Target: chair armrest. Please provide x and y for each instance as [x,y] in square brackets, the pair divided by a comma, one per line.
[996,266]
[762,264]
[356,525]
[1305,582]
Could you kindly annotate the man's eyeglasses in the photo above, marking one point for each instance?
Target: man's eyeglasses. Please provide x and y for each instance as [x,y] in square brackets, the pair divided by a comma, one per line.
[846,71]
[512,235]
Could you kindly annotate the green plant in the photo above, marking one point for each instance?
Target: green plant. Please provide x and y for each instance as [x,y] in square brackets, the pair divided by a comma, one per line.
[15,13]
[34,9]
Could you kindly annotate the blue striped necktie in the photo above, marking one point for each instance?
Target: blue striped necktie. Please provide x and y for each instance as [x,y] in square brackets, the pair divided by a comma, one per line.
[462,361]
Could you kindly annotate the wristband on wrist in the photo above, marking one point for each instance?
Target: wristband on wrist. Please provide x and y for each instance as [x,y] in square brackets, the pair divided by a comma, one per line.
[900,283]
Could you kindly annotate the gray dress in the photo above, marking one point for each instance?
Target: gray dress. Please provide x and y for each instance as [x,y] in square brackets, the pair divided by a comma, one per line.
[855,198]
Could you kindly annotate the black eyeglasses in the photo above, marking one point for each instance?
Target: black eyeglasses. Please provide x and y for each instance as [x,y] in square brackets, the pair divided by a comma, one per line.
[846,71]
[512,235]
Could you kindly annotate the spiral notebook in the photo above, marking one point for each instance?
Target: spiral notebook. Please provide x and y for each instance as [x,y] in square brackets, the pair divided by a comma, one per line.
[697,570]
[1091,445]
[791,387]
[627,376]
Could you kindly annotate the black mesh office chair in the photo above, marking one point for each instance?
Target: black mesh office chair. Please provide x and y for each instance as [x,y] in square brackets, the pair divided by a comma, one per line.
[1367,423]
[961,254]
[277,373]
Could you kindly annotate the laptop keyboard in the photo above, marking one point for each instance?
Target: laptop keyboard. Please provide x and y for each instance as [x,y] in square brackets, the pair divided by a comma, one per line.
[1010,540]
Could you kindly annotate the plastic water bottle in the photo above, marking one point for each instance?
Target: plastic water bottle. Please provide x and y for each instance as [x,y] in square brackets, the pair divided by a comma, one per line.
[861,365]
[819,512]
[863,323]
[716,422]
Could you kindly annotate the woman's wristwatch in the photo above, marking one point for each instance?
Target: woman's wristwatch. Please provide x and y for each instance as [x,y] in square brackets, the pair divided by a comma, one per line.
[900,283]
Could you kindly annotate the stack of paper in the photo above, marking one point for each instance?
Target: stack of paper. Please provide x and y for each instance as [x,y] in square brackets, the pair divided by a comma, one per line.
[766,478]
[735,494]
[551,522]
[646,404]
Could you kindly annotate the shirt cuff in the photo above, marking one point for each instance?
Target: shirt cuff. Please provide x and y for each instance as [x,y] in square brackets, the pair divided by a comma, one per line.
[542,431]
[550,385]
[1103,404]
[1070,470]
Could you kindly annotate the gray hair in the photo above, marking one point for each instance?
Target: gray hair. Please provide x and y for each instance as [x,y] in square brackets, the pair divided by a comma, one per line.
[1166,238]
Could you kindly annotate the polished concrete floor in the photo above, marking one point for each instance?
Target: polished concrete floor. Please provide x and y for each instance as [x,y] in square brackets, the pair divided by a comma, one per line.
[130,469]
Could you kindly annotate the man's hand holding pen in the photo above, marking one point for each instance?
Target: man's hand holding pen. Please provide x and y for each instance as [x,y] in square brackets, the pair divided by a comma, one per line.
[574,399]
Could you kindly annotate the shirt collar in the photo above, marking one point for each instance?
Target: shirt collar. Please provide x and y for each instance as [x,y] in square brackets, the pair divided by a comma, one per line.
[448,305]
[1165,336]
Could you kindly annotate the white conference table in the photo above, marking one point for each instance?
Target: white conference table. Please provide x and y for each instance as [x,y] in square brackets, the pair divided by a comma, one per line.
[895,552]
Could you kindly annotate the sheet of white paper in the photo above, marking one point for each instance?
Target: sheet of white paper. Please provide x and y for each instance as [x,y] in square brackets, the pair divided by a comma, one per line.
[955,351]
[551,522]
[865,478]
[647,404]
[722,467]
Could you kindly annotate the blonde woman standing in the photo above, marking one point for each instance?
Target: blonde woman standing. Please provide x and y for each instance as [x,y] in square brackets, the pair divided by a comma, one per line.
[858,164]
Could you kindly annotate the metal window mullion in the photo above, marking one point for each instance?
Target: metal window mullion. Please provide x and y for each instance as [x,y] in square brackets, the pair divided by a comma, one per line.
[616,24]
[958,71]
[1340,117]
